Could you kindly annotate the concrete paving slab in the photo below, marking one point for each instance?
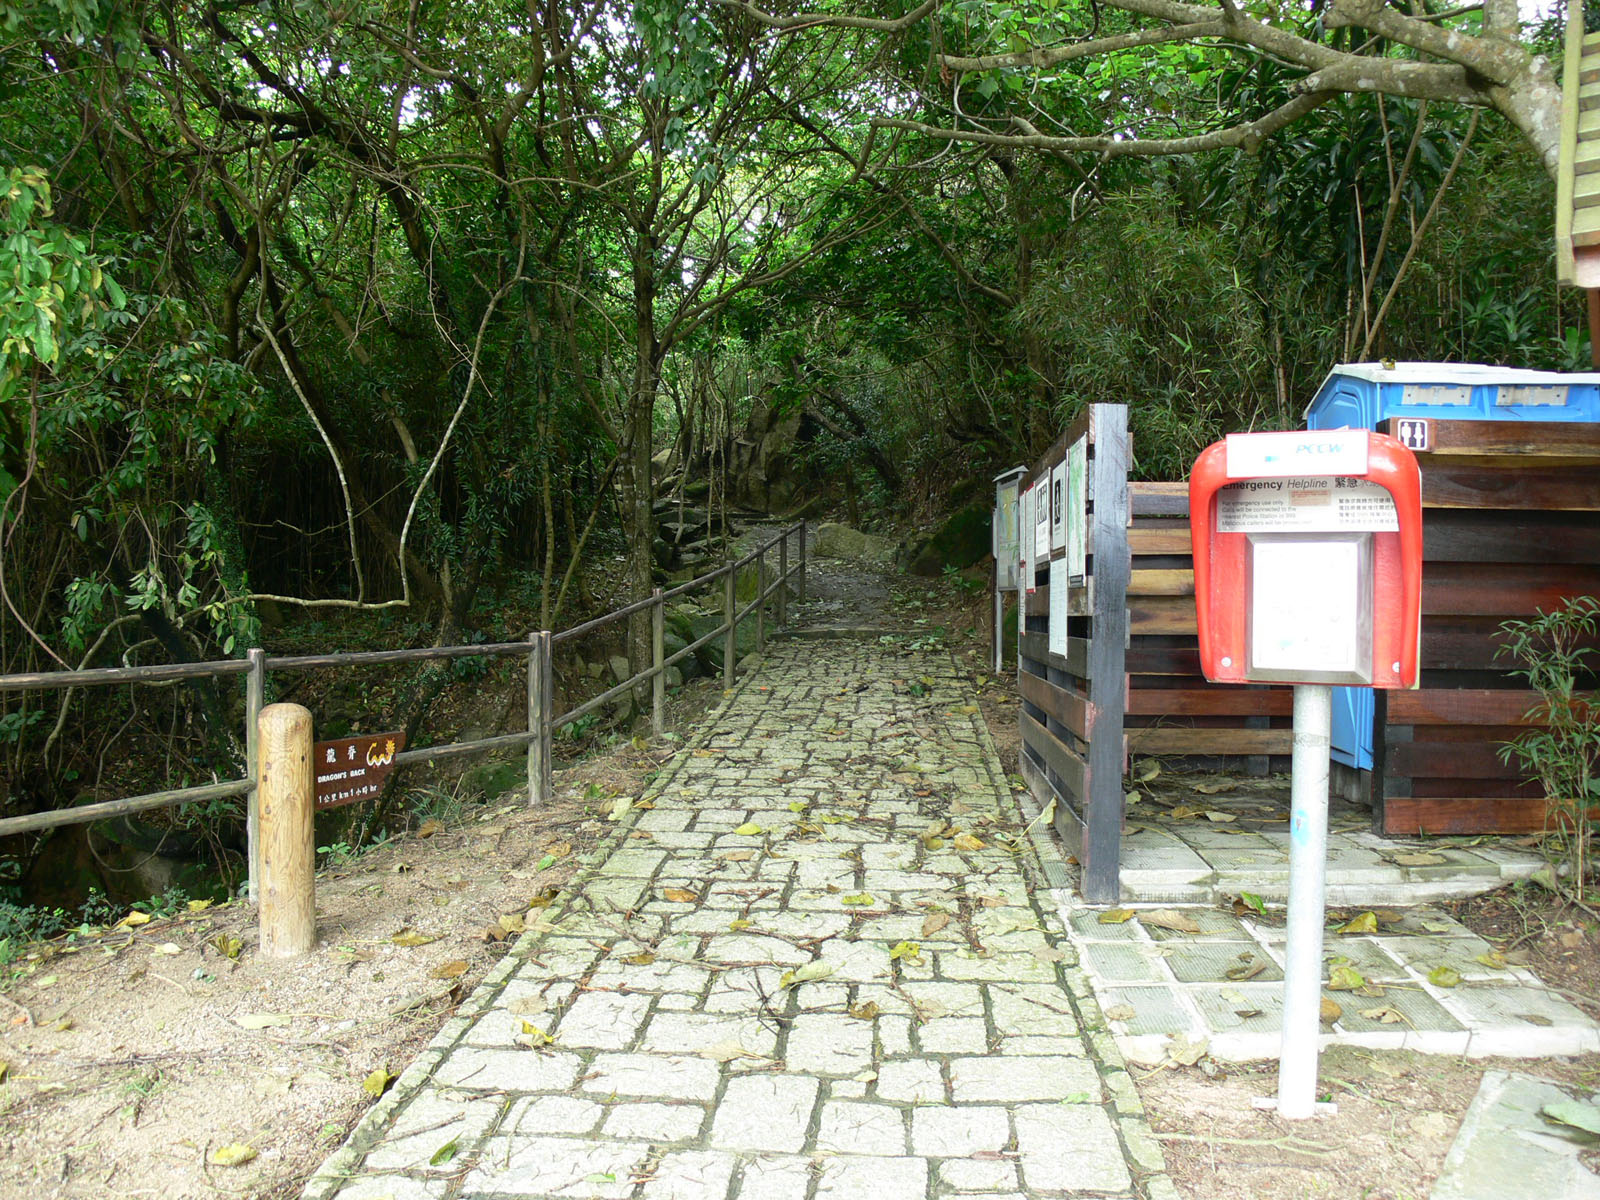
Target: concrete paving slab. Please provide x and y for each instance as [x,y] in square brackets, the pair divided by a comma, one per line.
[1505,1148]
[1155,982]
[781,1028]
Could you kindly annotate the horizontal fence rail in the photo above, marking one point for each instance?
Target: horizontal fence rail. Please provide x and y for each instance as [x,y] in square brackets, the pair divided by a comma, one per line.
[536,650]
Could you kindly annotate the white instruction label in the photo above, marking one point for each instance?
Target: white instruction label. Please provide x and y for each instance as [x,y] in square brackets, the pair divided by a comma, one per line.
[1312,504]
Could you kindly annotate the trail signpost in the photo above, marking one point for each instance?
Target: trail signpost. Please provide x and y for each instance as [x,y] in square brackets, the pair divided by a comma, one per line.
[1307,570]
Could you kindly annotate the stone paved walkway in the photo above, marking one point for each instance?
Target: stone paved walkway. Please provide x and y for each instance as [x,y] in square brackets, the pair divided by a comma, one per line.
[809,965]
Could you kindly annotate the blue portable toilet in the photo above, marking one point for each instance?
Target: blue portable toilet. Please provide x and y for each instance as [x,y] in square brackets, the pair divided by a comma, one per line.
[1361,395]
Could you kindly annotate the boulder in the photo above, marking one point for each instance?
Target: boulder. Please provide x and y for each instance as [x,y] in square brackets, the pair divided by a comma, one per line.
[962,540]
[710,655]
[831,540]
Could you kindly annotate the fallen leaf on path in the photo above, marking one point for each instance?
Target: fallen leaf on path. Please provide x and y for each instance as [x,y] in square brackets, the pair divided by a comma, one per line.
[1367,922]
[200,905]
[1148,771]
[1219,817]
[1212,788]
[679,895]
[749,829]
[865,1011]
[1493,959]
[1121,1012]
[906,951]
[642,959]
[1445,977]
[1330,1011]
[444,1153]
[858,900]
[1169,918]
[968,842]
[430,827]
[1387,1015]
[1344,979]
[377,1083]
[1246,970]
[727,1051]
[808,973]
[133,919]
[1186,1053]
[1116,916]
[1579,1114]
[234,1155]
[227,945]
[933,922]
[454,969]
[410,937]
[532,1036]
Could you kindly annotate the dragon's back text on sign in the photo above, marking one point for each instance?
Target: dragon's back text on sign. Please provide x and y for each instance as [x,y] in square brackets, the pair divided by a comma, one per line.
[352,769]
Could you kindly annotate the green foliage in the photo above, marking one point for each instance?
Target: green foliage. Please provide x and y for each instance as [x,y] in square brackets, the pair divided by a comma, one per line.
[1554,652]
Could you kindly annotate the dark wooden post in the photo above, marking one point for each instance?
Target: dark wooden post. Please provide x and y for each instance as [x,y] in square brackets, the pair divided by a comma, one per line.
[1107,485]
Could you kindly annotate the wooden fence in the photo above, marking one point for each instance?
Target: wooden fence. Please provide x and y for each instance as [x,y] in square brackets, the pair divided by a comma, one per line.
[1509,528]
[1072,702]
[537,651]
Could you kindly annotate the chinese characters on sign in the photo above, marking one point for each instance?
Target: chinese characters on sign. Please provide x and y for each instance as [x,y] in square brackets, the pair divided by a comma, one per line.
[353,769]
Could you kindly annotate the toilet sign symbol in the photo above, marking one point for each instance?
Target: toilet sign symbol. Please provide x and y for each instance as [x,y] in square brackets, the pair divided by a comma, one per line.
[1412,433]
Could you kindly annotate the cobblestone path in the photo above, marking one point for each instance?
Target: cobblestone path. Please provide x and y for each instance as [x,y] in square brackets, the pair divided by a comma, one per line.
[809,965]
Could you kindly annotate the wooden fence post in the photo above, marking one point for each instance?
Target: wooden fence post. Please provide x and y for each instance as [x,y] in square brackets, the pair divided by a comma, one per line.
[761,600]
[658,656]
[1101,851]
[730,607]
[255,695]
[783,580]
[284,784]
[800,592]
[539,716]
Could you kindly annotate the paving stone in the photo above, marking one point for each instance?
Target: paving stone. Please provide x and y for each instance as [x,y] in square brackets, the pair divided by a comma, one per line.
[539,1166]
[765,1112]
[774,1177]
[551,1114]
[690,1175]
[431,1120]
[655,1122]
[958,1132]
[954,1035]
[855,1128]
[858,1177]
[1069,1147]
[601,1020]
[912,1081]
[667,1076]
[1017,1079]
[829,1044]
[978,1175]
[695,1033]
[520,1070]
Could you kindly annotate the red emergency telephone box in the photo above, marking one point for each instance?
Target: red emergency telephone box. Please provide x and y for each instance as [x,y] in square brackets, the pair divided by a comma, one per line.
[1308,558]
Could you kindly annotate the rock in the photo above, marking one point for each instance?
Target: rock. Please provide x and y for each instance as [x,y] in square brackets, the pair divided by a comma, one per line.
[962,540]
[619,668]
[675,676]
[710,654]
[831,540]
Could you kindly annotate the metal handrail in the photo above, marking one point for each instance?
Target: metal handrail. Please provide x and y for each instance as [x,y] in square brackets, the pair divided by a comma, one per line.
[256,666]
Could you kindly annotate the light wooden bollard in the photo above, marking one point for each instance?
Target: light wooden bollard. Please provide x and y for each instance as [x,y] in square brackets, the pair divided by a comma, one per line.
[288,845]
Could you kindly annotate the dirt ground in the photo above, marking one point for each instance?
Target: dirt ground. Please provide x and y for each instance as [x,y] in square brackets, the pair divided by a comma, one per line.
[140,1060]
